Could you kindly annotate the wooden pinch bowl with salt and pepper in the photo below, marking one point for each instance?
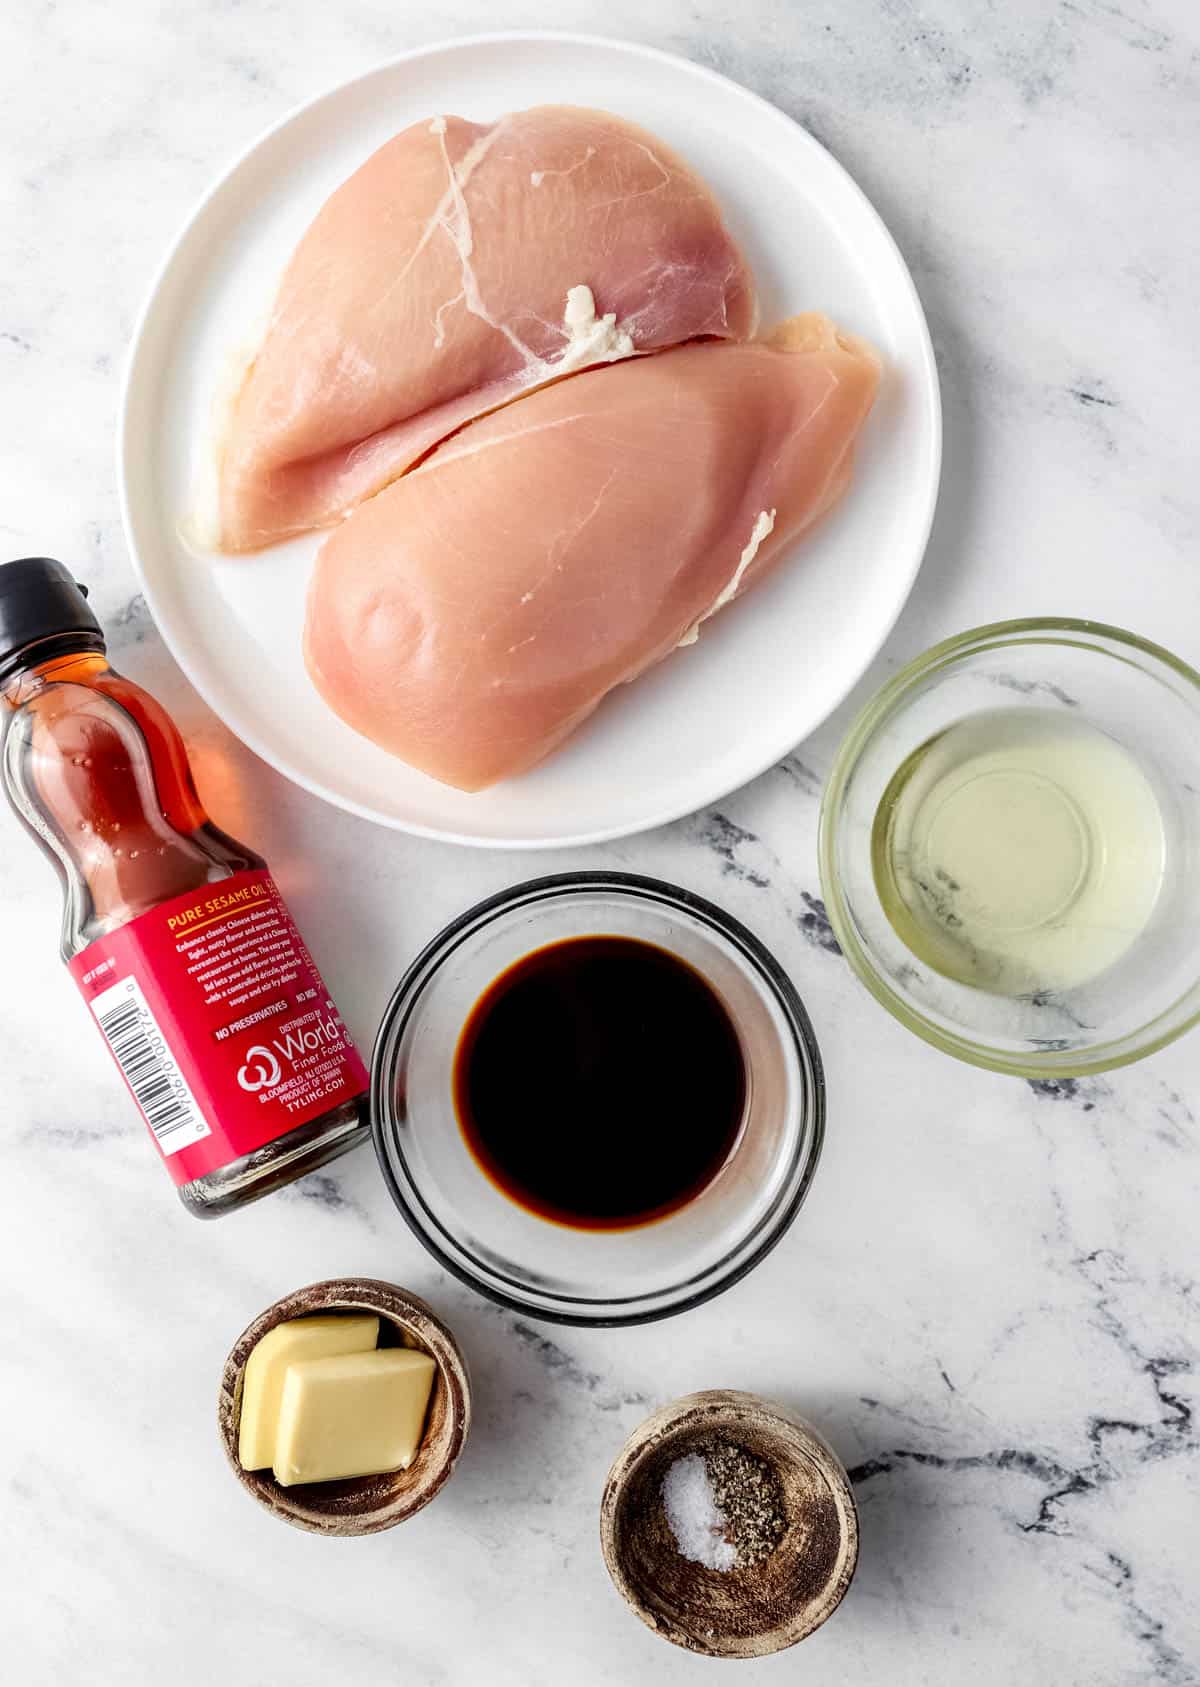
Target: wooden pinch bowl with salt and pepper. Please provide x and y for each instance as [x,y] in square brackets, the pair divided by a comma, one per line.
[359,1505]
[744,1609]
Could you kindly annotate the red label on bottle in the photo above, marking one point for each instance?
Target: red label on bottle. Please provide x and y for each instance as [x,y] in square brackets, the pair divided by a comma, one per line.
[224,1032]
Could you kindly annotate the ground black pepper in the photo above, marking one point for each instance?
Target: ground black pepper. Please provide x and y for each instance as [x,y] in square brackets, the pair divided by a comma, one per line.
[747,1492]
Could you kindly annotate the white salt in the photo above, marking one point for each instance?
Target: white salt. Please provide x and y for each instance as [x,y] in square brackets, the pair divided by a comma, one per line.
[696,1520]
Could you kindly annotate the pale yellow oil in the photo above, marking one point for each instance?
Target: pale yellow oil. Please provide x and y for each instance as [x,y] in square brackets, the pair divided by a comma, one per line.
[1019,851]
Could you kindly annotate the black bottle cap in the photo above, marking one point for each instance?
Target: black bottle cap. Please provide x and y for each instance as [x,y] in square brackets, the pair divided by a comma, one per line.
[40,604]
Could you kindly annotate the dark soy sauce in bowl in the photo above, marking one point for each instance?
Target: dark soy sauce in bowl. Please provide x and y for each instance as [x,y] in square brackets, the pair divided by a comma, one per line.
[600,1082]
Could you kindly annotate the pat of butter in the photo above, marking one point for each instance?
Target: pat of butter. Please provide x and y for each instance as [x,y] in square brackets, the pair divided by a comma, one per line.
[356,1415]
[320,1337]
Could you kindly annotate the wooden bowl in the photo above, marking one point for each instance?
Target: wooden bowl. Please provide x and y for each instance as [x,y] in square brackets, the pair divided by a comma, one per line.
[359,1505]
[740,1613]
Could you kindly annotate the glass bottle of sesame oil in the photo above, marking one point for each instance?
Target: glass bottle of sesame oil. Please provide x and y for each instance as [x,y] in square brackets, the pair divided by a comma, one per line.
[175,934]
[1019,851]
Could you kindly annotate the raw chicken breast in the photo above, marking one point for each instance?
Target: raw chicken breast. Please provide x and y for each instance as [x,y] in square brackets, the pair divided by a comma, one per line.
[473,613]
[463,264]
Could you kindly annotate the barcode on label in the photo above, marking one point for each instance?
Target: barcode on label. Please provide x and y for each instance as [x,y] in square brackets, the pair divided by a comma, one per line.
[151,1070]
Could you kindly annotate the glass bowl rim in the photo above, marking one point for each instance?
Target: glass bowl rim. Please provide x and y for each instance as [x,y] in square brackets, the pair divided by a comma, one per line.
[548,887]
[878,709]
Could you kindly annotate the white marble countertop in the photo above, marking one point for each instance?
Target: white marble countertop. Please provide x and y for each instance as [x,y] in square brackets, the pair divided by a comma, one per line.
[989,1302]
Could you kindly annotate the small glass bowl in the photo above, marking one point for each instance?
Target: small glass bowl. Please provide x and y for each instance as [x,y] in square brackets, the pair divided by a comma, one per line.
[1141,696]
[554,1271]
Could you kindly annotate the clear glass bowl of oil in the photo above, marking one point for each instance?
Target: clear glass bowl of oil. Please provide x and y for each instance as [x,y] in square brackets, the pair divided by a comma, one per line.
[1010,847]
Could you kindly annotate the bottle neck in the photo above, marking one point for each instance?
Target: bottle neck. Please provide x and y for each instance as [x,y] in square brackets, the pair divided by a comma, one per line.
[96,768]
[61,656]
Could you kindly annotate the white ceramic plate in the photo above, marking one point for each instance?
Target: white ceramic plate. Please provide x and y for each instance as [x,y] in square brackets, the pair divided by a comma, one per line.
[765,672]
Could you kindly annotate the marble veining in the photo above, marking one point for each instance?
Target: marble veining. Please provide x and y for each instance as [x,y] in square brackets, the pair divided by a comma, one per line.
[989,1303]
